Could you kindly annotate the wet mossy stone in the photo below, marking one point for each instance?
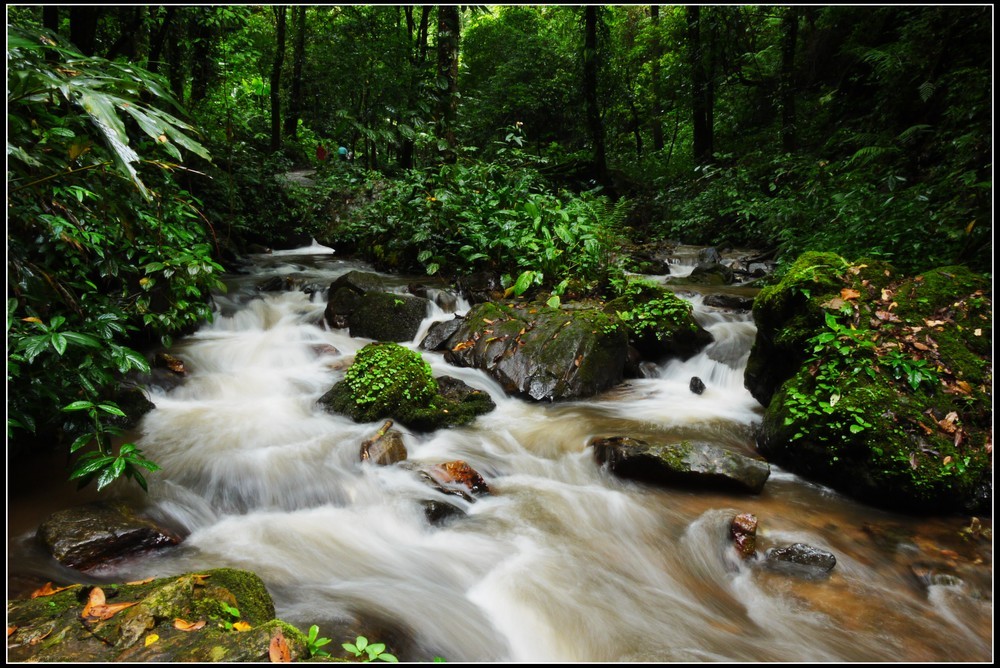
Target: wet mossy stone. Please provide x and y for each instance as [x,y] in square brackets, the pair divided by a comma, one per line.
[387,316]
[660,324]
[388,380]
[52,629]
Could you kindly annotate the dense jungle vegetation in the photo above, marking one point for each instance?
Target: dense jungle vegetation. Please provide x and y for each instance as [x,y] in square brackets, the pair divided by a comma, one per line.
[147,148]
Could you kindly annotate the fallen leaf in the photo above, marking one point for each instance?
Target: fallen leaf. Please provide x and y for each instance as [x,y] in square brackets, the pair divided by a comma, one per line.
[963,386]
[141,582]
[183,625]
[913,460]
[887,316]
[977,332]
[920,346]
[886,294]
[47,590]
[488,321]
[462,345]
[946,460]
[199,579]
[151,638]
[241,626]
[97,608]
[935,323]
[834,304]
[278,650]
[958,437]
[849,293]
[11,630]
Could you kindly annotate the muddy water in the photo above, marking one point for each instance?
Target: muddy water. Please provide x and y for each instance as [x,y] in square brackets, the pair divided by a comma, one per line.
[563,562]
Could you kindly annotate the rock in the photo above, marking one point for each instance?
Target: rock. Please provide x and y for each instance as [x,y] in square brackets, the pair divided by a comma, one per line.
[456,478]
[387,380]
[134,403]
[542,353]
[660,324]
[340,303]
[710,273]
[732,302]
[482,286]
[709,255]
[800,559]
[683,463]
[387,316]
[169,362]
[359,282]
[743,531]
[385,448]
[52,628]
[439,512]
[697,385]
[276,284]
[439,333]
[90,536]
[759,269]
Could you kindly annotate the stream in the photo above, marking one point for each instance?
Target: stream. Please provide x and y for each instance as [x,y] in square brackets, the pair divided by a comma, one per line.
[563,562]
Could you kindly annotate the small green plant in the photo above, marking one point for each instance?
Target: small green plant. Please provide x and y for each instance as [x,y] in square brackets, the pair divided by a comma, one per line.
[314,643]
[916,372]
[369,652]
[231,616]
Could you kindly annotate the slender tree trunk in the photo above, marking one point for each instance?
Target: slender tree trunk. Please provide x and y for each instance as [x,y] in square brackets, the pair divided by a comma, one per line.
[279,59]
[657,120]
[83,28]
[448,36]
[790,28]
[159,39]
[130,20]
[202,66]
[50,18]
[298,58]
[699,87]
[176,75]
[590,67]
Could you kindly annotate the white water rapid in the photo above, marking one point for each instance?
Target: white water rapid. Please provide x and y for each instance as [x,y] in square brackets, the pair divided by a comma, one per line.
[563,562]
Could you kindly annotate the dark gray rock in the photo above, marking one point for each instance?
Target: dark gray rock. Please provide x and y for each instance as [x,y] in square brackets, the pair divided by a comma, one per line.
[387,316]
[440,333]
[697,385]
[800,559]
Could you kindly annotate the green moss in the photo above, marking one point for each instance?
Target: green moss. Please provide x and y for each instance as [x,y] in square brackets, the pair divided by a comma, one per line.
[659,323]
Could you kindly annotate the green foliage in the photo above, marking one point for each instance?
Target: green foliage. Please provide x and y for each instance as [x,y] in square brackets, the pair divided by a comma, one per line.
[659,316]
[387,373]
[314,643]
[102,243]
[229,617]
[369,652]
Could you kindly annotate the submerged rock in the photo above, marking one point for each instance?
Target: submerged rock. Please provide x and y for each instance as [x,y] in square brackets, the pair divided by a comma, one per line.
[385,448]
[800,559]
[682,463]
[90,536]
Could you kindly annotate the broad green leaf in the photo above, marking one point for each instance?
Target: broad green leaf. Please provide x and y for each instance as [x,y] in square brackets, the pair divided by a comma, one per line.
[78,406]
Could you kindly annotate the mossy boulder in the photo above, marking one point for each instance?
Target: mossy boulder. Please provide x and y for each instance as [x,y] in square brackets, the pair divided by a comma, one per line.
[388,380]
[65,627]
[387,316]
[660,324]
[883,384]
[542,353]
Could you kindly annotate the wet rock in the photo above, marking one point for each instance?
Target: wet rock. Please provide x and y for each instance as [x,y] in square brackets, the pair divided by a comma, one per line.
[540,352]
[684,463]
[709,255]
[134,403]
[931,574]
[325,349]
[439,512]
[482,286]
[660,324]
[759,269]
[697,385]
[439,333]
[387,316]
[710,273]
[385,447]
[743,531]
[89,536]
[52,628]
[358,281]
[340,304]
[169,362]
[456,478]
[277,284]
[800,559]
[732,302]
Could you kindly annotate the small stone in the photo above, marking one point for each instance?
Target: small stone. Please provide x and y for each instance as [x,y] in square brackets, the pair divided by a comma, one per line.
[743,531]
[697,385]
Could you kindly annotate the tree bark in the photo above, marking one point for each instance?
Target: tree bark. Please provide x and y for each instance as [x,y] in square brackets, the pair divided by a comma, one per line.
[790,28]
[448,36]
[202,64]
[298,57]
[590,67]
[83,28]
[279,59]
[158,41]
[701,115]
[657,120]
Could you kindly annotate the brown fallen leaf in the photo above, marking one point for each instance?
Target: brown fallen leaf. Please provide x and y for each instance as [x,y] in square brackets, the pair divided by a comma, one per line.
[11,630]
[849,293]
[462,345]
[278,649]
[886,294]
[47,590]
[920,346]
[141,582]
[183,625]
[488,321]
[97,609]
[199,579]
[834,304]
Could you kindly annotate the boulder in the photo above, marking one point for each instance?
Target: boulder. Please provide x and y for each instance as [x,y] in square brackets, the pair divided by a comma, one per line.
[542,353]
[439,333]
[385,447]
[184,618]
[731,302]
[660,324]
[697,385]
[710,273]
[682,463]
[90,536]
[800,559]
[387,316]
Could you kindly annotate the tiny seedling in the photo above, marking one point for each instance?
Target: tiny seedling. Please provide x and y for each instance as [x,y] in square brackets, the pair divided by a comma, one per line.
[369,652]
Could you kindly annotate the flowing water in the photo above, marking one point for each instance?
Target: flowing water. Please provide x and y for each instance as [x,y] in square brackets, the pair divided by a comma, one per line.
[563,562]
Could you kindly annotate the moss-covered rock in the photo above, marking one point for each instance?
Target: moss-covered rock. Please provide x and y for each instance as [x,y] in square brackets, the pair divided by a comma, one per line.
[540,352]
[883,384]
[660,324]
[387,380]
[387,316]
[183,618]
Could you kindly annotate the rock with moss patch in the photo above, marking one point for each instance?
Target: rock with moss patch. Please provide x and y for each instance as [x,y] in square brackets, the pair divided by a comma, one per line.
[882,384]
[388,380]
[387,316]
[660,324]
[542,353]
[186,618]
[684,463]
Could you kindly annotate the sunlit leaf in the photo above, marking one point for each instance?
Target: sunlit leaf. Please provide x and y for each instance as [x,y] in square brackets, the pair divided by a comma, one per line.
[47,590]
[241,626]
[151,638]
[278,650]
[182,625]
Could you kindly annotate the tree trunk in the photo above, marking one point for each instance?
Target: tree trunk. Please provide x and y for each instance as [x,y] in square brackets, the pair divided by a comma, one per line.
[699,89]
[657,120]
[202,64]
[790,29]
[130,21]
[590,67]
[83,28]
[298,57]
[448,36]
[158,41]
[279,59]
[177,74]
[50,18]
